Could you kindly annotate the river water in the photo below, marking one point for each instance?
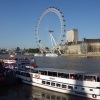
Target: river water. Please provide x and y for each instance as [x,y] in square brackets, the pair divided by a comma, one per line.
[27,92]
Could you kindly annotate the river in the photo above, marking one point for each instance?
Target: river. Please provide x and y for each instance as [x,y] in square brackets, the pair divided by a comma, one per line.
[27,92]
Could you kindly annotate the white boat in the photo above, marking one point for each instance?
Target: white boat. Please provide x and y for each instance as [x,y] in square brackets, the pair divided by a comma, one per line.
[37,54]
[64,81]
[51,55]
[12,63]
[12,56]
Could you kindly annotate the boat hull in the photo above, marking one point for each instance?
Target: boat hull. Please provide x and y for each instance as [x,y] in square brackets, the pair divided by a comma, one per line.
[59,90]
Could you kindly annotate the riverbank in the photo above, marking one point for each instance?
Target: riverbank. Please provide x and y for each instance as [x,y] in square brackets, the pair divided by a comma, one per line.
[81,55]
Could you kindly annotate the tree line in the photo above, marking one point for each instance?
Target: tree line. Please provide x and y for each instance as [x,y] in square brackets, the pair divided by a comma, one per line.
[36,50]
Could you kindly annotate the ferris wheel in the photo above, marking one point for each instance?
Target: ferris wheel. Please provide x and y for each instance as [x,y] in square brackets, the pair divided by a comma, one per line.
[55,43]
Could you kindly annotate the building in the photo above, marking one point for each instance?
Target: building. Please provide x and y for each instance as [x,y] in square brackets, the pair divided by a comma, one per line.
[93,43]
[72,35]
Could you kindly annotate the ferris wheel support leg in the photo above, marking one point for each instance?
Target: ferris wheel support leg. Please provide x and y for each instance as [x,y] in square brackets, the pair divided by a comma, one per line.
[54,40]
[51,40]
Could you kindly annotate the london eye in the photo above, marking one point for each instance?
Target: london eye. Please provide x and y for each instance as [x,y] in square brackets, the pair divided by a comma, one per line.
[57,40]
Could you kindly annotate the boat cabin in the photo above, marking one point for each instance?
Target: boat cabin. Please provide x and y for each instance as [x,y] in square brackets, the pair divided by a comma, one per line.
[69,74]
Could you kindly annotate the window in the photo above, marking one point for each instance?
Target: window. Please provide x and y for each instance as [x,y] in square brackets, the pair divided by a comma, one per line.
[72,76]
[43,95]
[58,97]
[48,83]
[44,73]
[90,78]
[53,97]
[91,89]
[43,82]
[64,98]
[58,85]
[48,96]
[64,86]
[17,72]
[35,71]
[83,89]
[24,74]
[54,74]
[28,75]
[98,79]
[52,84]
[66,75]
[60,74]
[78,77]
[70,87]
[75,87]
[49,73]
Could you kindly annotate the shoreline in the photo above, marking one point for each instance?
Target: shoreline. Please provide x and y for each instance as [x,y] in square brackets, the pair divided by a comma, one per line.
[81,55]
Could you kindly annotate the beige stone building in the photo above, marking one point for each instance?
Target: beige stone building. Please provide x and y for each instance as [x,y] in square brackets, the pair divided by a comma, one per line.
[72,35]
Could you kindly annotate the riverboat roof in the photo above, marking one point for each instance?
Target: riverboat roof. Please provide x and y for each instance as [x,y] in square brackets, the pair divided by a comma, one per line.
[68,71]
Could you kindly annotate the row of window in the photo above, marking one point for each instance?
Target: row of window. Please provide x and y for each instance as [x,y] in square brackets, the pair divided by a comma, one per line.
[69,76]
[54,97]
[60,85]
[62,75]
[23,74]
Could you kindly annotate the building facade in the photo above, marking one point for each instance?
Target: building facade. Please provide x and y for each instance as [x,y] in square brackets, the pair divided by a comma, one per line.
[72,35]
[94,44]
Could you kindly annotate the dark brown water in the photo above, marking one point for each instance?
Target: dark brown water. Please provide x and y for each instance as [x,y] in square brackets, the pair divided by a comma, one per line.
[27,92]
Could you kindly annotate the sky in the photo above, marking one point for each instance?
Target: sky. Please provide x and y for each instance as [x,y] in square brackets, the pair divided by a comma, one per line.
[18,20]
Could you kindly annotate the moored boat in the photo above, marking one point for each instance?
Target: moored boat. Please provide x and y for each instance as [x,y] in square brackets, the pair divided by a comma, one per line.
[65,81]
[19,63]
[8,77]
[51,55]
[37,54]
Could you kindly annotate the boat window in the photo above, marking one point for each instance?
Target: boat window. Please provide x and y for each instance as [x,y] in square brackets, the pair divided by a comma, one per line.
[43,72]
[24,74]
[66,75]
[48,83]
[91,89]
[17,72]
[35,71]
[83,89]
[75,87]
[20,73]
[98,79]
[43,82]
[52,84]
[43,95]
[63,98]
[48,96]
[58,98]
[50,73]
[78,77]
[72,76]
[64,86]
[27,75]
[70,87]
[61,75]
[54,74]
[89,78]
[58,85]
[53,97]
[1,74]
